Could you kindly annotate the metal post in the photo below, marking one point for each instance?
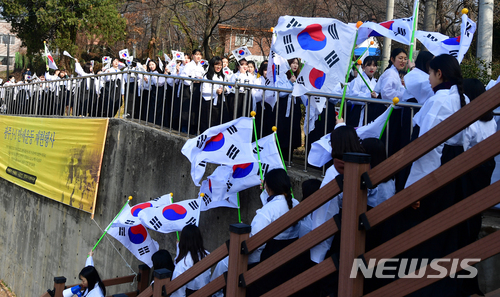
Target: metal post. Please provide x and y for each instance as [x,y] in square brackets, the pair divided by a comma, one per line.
[386,51]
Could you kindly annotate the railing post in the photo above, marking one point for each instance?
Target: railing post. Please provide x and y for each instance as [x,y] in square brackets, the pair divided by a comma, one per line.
[352,240]
[59,285]
[238,260]
[162,278]
[143,278]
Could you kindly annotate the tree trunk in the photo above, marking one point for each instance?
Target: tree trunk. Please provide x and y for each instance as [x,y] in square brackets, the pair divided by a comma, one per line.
[430,15]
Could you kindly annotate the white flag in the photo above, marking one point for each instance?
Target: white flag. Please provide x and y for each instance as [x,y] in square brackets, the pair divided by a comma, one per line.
[228,144]
[241,53]
[216,183]
[315,80]
[172,217]
[137,240]
[106,62]
[244,176]
[467,30]
[177,55]
[123,54]
[130,215]
[325,43]
[129,60]
[208,202]
[276,72]
[50,59]
[317,106]
[67,55]
[399,30]
[160,64]
[227,72]
[172,66]
[203,62]
[167,58]
[374,128]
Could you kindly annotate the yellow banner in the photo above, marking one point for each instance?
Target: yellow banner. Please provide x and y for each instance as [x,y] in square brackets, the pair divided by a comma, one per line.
[57,158]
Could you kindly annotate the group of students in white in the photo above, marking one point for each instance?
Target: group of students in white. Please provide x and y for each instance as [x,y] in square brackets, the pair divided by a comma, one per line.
[435,82]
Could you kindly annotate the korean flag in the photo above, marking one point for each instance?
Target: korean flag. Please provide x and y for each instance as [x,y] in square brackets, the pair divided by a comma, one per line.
[177,55]
[321,151]
[123,54]
[167,58]
[244,176]
[227,72]
[315,80]
[433,42]
[226,144]
[130,215]
[467,30]
[215,186]
[172,217]
[208,201]
[241,53]
[137,240]
[398,29]
[325,43]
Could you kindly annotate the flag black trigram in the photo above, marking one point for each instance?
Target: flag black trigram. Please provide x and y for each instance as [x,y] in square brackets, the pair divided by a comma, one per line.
[156,199]
[331,59]
[432,38]
[332,29]
[268,82]
[293,23]
[454,53]
[207,199]
[232,152]
[265,168]
[144,250]
[273,54]
[130,222]
[194,205]
[300,80]
[468,26]
[277,69]
[232,129]
[287,40]
[255,149]
[410,19]
[202,164]
[317,99]
[155,222]
[191,221]
[121,231]
[228,185]
[201,141]
[400,31]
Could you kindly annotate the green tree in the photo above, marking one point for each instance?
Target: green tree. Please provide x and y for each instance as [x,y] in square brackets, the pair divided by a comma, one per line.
[60,21]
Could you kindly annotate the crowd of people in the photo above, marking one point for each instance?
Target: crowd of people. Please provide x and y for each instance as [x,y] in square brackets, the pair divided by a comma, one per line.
[434,82]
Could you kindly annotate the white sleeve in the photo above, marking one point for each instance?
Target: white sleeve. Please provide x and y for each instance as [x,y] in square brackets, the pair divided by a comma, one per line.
[79,70]
[89,261]
[186,72]
[259,222]
[178,270]
[207,92]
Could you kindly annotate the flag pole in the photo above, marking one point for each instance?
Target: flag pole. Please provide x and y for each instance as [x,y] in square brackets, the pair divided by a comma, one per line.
[281,154]
[395,101]
[45,50]
[172,201]
[371,43]
[253,113]
[109,226]
[239,212]
[412,41]
[364,80]
[358,24]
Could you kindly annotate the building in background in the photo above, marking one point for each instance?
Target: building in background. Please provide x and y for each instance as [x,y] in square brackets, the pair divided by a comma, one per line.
[8,39]
[257,40]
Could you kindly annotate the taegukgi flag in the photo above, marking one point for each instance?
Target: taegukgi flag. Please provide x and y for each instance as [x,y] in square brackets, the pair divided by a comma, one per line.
[226,144]
[325,43]
[172,217]
[176,55]
[123,54]
[315,80]
[137,240]
[50,59]
[130,215]
[208,201]
[241,53]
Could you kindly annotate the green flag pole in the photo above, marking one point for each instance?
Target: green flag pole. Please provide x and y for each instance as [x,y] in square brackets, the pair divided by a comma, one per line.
[109,226]
[172,201]
[281,154]
[358,24]
[395,101]
[253,114]
[364,80]
[45,50]
[412,41]
[367,48]
[239,211]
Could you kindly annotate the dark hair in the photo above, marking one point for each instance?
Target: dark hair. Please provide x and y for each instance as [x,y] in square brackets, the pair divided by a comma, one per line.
[278,181]
[192,242]
[263,67]
[195,51]
[344,139]
[156,68]
[290,72]
[162,259]
[423,60]
[238,64]
[253,63]
[86,67]
[211,69]
[473,87]
[451,72]
[370,60]
[90,273]
[376,149]
[11,76]
[395,52]
[309,187]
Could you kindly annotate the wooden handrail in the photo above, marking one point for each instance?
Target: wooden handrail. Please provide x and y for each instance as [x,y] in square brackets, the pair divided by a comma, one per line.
[437,135]
[482,249]
[446,173]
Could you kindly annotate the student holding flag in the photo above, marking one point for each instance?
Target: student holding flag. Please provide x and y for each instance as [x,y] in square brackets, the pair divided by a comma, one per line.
[212,94]
[87,89]
[191,96]
[91,281]
[113,90]
[241,73]
[152,96]
[190,252]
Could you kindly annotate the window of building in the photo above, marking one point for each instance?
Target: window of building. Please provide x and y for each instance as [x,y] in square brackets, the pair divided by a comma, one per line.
[4,39]
[243,40]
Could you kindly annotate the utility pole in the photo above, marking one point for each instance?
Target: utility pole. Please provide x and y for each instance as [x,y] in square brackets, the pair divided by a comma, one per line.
[8,55]
[485,32]
[386,51]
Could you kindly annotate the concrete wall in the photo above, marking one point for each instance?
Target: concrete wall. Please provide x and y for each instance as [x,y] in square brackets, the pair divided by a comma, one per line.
[41,238]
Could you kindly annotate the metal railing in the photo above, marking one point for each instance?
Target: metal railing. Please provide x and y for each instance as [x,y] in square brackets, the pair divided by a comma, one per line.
[177,104]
